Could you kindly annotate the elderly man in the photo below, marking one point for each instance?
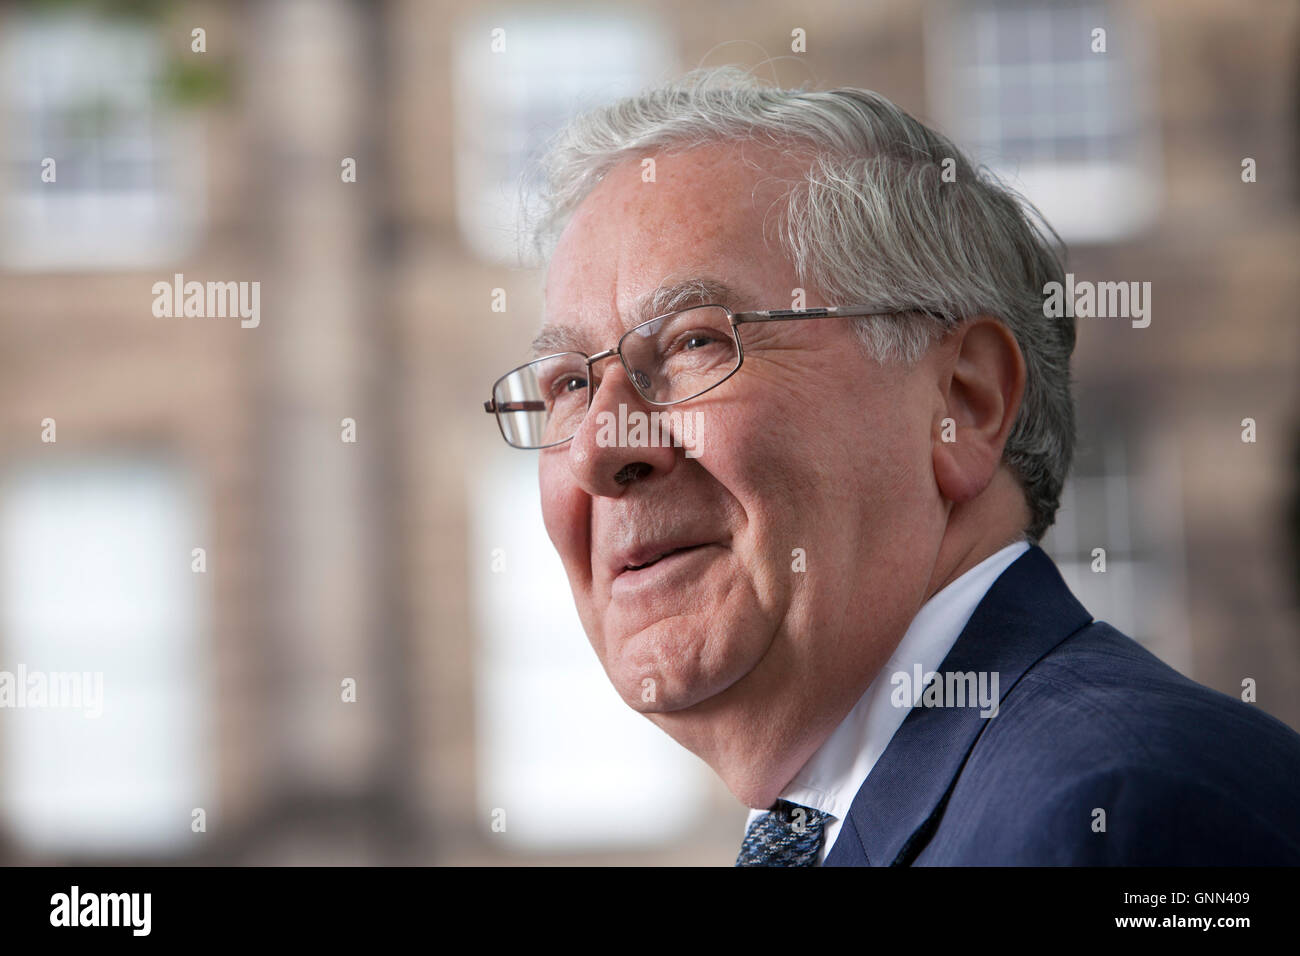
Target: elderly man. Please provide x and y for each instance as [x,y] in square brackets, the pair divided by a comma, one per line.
[830,590]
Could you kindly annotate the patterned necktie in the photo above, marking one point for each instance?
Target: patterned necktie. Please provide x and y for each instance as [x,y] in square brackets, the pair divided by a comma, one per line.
[787,835]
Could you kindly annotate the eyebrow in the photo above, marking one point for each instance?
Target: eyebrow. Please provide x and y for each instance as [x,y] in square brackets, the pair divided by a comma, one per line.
[669,297]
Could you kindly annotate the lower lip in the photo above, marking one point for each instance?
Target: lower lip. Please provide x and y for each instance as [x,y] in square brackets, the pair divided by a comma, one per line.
[660,574]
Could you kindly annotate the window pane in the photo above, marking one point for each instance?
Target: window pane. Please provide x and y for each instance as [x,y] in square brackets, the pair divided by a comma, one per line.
[572,765]
[96,579]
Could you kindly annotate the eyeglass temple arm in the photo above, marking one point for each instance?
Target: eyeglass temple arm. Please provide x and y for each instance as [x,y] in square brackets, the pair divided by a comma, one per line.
[781,315]
[491,406]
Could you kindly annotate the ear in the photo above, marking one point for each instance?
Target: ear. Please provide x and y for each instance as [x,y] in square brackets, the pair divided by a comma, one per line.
[983,381]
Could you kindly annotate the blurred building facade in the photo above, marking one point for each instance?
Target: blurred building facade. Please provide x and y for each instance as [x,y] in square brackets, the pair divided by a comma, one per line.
[358,667]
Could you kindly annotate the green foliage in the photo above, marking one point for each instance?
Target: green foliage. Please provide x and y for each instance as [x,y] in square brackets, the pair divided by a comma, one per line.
[196,80]
[125,9]
[188,80]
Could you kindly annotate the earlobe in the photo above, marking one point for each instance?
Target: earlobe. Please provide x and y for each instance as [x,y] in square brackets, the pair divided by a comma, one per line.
[963,470]
[982,388]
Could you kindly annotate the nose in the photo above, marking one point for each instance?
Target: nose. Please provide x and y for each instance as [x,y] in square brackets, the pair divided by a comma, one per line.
[616,445]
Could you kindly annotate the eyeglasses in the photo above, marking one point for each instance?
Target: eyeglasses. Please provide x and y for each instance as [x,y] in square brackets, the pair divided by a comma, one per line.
[669,359]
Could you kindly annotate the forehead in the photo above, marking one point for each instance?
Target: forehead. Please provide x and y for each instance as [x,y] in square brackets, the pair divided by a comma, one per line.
[696,226]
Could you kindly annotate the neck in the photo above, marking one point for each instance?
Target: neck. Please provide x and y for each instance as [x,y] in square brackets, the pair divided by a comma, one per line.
[980,528]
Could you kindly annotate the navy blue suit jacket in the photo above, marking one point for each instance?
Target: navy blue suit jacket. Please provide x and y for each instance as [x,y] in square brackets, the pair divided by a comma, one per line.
[1088,721]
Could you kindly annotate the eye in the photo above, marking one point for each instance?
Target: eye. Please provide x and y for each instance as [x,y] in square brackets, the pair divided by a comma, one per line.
[693,341]
[567,384]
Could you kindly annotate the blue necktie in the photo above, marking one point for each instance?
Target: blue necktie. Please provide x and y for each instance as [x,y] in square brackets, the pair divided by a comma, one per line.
[786,835]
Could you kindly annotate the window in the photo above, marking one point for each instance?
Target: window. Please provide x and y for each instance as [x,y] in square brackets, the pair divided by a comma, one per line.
[572,765]
[1123,497]
[508,102]
[85,92]
[1020,87]
[95,578]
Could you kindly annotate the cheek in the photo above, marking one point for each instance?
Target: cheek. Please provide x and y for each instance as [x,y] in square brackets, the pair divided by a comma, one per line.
[809,470]
[773,482]
[787,471]
[564,512]
[900,501]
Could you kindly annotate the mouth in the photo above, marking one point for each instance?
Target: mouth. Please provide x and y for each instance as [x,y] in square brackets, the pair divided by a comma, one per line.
[662,569]
[659,557]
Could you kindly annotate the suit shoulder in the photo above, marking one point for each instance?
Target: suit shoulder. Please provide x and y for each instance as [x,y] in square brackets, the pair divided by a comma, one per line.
[1101,724]
[1101,698]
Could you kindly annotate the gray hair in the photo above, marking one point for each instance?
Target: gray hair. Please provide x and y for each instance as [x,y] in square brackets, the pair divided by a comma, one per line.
[889,212]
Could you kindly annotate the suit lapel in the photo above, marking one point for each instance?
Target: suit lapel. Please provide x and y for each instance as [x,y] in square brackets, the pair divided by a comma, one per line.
[1026,613]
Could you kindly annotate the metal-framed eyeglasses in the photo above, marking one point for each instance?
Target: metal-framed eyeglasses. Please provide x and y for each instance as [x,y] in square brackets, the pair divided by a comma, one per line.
[669,359]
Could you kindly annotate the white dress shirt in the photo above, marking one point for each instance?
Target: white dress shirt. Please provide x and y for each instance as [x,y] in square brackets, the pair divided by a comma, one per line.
[833,775]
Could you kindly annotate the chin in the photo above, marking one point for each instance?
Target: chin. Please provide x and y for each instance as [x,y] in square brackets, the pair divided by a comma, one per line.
[668,667]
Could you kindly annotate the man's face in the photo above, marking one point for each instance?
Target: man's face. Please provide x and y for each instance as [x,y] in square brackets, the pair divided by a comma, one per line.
[807,527]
